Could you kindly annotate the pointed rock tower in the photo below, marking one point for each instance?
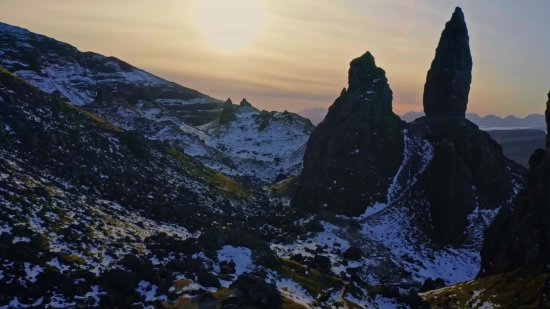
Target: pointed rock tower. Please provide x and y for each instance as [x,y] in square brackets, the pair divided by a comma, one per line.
[228,112]
[353,153]
[468,170]
[448,81]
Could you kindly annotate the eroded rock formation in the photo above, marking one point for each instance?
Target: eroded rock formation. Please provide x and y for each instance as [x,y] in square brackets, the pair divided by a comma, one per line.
[448,80]
[353,153]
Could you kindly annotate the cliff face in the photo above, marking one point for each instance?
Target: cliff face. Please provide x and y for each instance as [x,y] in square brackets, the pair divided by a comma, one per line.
[353,153]
[520,237]
[448,80]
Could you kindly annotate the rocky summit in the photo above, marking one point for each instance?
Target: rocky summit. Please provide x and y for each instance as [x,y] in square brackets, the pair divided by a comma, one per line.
[228,112]
[448,80]
[353,153]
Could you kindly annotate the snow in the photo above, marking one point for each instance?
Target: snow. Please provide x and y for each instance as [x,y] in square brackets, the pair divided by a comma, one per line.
[240,256]
[55,263]
[149,291]
[32,272]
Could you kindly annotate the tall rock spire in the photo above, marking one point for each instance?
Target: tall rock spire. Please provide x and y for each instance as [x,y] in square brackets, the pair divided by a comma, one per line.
[448,81]
[352,155]
[228,112]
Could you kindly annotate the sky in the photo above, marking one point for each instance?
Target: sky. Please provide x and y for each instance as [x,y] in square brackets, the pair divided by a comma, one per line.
[295,54]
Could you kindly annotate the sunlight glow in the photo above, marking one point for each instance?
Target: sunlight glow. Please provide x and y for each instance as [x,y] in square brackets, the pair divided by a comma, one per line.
[230,24]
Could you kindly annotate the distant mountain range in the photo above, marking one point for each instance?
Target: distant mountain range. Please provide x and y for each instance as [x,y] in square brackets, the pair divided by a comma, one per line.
[316,115]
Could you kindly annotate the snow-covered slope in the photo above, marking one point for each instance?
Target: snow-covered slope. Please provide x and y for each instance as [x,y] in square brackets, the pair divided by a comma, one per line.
[136,100]
[256,143]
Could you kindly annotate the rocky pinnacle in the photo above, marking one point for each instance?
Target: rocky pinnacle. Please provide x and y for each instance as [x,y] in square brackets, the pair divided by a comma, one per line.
[450,75]
[228,112]
[352,155]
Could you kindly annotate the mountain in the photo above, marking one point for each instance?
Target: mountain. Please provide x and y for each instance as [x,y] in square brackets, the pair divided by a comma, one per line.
[316,115]
[133,99]
[515,256]
[491,121]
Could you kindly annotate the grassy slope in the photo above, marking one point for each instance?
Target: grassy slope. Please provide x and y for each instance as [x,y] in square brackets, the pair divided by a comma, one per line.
[523,288]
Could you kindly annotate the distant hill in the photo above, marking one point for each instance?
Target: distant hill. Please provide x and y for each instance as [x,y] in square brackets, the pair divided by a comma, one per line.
[316,115]
[492,121]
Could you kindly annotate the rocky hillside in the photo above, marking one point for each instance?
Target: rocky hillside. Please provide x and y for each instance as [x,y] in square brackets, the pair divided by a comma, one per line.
[95,216]
[260,144]
[133,99]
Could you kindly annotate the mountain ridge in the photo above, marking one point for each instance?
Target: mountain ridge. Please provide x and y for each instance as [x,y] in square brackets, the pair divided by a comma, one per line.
[136,100]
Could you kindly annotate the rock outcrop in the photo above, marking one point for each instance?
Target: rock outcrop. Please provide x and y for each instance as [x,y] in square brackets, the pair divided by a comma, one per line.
[228,112]
[448,80]
[353,153]
[245,103]
[520,237]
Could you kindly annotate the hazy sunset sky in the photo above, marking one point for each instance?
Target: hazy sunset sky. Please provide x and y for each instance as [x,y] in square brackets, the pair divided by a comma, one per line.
[295,54]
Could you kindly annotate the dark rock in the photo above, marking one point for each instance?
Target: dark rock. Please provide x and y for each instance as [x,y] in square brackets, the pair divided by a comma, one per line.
[354,152]
[245,103]
[207,301]
[353,253]
[227,268]
[119,280]
[468,170]
[322,262]
[297,257]
[257,291]
[209,280]
[448,81]
[228,112]
[315,226]
[430,285]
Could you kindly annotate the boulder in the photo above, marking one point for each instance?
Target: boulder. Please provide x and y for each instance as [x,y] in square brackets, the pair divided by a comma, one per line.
[208,280]
[257,291]
[353,253]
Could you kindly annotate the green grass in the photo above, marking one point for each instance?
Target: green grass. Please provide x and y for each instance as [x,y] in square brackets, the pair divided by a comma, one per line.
[216,180]
[281,189]
[521,289]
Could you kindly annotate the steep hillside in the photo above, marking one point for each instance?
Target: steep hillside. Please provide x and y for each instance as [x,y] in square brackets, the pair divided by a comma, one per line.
[95,216]
[265,145]
[133,99]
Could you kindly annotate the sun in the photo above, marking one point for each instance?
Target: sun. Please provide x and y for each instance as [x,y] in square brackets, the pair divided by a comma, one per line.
[230,24]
